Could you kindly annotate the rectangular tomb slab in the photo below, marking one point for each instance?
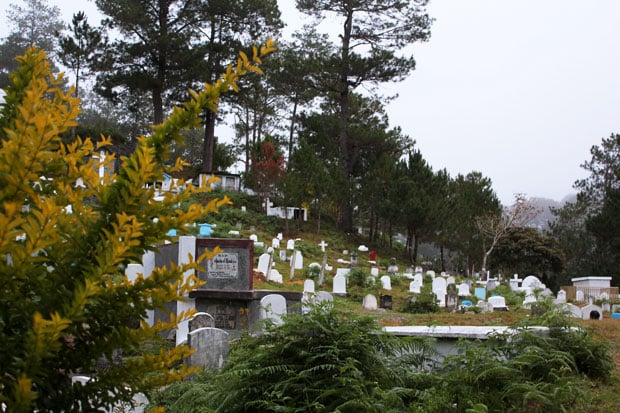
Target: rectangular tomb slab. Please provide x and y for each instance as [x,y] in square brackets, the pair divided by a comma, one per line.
[232,268]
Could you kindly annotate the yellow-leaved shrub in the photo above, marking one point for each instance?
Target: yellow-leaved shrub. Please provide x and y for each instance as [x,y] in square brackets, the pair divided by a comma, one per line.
[64,299]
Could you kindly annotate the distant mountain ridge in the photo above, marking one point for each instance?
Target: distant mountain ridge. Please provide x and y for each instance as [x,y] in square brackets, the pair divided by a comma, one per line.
[544,205]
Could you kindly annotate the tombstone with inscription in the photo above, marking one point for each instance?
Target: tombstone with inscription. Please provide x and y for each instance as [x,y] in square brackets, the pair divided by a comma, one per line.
[210,347]
[228,294]
[200,320]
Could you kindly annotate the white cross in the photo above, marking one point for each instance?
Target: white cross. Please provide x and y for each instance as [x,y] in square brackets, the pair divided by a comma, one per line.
[323,244]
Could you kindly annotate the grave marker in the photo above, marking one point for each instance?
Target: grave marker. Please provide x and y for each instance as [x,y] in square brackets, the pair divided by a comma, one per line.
[370,302]
[273,307]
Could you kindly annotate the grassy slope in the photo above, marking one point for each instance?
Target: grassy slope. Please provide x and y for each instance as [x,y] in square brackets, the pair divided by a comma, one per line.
[608,330]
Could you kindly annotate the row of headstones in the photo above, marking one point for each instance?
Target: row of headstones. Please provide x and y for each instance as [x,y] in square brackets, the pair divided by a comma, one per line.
[266,264]
[275,242]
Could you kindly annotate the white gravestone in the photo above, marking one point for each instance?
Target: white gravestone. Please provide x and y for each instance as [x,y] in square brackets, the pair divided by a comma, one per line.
[561,297]
[414,287]
[298,262]
[440,288]
[253,237]
[463,290]
[275,276]
[579,296]
[498,302]
[370,302]
[340,284]
[386,282]
[571,310]
[419,278]
[591,312]
[450,280]
[530,298]
[309,286]
[323,244]
[263,264]
[273,307]
[290,244]
[275,243]
[532,282]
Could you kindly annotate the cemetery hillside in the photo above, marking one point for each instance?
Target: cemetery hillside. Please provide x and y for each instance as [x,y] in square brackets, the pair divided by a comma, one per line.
[140,271]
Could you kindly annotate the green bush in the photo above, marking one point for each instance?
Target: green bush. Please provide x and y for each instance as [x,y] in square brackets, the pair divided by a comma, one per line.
[358,277]
[323,361]
[425,302]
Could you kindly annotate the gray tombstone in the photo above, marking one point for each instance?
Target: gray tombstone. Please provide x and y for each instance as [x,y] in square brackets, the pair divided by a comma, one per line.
[340,284]
[210,347]
[201,320]
[370,302]
[283,255]
[491,285]
[273,307]
[452,300]
[323,297]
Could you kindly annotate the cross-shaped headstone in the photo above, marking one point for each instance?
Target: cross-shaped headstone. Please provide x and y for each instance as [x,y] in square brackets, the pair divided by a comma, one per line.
[323,244]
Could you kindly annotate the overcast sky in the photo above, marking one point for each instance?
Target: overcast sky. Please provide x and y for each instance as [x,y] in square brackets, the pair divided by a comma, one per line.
[518,90]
